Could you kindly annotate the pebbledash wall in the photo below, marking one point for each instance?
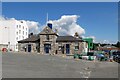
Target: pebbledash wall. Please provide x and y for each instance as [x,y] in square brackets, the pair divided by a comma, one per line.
[49,42]
[12,31]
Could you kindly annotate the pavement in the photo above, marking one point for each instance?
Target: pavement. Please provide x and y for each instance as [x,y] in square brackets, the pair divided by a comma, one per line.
[49,66]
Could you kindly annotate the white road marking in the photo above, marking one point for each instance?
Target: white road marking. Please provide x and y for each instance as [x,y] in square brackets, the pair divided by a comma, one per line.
[85,74]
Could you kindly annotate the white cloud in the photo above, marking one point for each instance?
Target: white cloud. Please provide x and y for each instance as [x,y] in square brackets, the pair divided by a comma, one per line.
[5,18]
[67,25]
[108,42]
[33,26]
[93,37]
[105,41]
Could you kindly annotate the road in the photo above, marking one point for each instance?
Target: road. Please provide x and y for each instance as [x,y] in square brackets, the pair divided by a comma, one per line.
[20,65]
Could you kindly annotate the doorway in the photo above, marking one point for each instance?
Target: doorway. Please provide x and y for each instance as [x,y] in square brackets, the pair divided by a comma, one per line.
[47,48]
[67,48]
[29,47]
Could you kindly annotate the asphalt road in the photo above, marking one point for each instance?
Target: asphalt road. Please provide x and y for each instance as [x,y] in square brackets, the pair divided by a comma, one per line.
[16,65]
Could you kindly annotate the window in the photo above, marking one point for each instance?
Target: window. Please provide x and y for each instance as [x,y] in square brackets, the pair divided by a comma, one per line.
[19,26]
[26,29]
[16,38]
[23,32]
[26,33]
[16,46]
[23,27]
[47,37]
[19,37]
[19,31]
[23,37]
[76,46]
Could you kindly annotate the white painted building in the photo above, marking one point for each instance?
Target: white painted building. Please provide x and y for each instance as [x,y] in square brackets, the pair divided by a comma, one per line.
[85,47]
[12,31]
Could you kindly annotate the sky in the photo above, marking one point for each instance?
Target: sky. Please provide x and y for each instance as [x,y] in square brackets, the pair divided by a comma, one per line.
[98,20]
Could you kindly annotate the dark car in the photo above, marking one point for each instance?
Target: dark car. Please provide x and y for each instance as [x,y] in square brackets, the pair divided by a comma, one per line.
[90,53]
[116,56]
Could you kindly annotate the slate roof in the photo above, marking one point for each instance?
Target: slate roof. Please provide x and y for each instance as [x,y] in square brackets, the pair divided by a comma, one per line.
[67,39]
[32,38]
[35,38]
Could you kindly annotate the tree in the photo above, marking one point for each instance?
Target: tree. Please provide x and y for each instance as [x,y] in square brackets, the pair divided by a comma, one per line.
[118,44]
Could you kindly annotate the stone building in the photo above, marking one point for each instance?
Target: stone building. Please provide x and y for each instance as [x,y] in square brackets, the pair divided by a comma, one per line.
[31,44]
[49,42]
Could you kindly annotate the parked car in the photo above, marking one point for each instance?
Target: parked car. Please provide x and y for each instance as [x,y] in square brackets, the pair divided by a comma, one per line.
[100,56]
[116,56]
[4,50]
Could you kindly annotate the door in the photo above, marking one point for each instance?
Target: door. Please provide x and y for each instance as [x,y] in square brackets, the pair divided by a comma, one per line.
[62,49]
[29,48]
[67,48]
[47,48]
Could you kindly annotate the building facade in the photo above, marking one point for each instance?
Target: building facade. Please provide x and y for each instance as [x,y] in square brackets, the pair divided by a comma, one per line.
[49,42]
[12,31]
[90,43]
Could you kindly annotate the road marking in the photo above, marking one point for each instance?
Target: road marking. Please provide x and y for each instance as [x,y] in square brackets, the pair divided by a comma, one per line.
[85,74]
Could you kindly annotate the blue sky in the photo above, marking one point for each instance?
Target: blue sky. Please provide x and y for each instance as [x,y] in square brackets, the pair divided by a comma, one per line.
[97,18]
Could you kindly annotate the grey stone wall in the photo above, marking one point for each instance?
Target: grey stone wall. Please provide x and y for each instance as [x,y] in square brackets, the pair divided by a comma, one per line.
[21,47]
[72,47]
[52,41]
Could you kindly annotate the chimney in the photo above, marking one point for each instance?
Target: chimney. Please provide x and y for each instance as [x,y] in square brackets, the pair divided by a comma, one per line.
[76,35]
[31,34]
[49,25]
